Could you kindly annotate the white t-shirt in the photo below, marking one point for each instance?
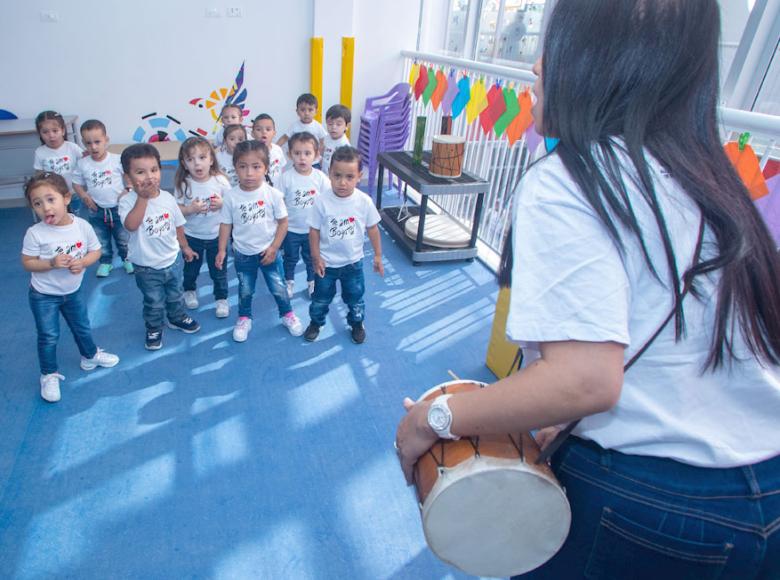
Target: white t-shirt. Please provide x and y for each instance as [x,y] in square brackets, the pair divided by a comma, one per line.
[102,179]
[225,161]
[569,282]
[46,242]
[278,162]
[299,194]
[315,128]
[253,215]
[330,146]
[154,243]
[342,222]
[204,226]
[61,161]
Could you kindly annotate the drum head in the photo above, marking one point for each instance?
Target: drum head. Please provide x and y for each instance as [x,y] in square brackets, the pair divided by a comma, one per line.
[493,517]
[441,231]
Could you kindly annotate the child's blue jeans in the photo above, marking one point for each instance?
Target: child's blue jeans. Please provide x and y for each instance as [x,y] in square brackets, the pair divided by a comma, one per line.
[46,309]
[649,517]
[295,245]
[207,249]
[353,286]
[107,225]
[246,270]
[162,292]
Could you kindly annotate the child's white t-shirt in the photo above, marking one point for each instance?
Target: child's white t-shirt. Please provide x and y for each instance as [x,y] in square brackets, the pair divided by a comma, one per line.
[253,215]
[154,243]
[300,191]
[102,179]
[225,161]
[315,128]
[204,226]
[61,161]
[46,241]
[330,146]
[277,162]
[342,222]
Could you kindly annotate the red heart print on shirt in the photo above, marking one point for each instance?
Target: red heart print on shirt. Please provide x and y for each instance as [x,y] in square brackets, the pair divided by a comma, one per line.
[165,215]
[259,202]
[78,244]
[351,220]
[66,158]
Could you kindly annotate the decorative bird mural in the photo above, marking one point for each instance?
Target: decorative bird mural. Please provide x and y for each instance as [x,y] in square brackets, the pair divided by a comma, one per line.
[218,98]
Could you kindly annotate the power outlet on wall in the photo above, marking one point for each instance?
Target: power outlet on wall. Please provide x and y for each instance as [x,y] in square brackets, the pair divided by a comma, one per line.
[234,12]
[49,16]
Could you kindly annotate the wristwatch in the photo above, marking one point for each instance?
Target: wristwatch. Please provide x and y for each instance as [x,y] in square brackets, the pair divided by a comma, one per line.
[440,417]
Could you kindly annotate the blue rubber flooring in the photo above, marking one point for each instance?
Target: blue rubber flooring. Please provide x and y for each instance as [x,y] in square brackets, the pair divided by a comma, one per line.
[212,459]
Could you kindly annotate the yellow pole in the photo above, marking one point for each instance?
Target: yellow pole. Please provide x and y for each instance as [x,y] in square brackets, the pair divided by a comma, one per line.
[347,71]
[317,52]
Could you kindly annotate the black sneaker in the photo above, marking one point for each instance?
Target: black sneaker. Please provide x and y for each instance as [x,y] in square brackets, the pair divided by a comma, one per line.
[358,333]
[312,332]
[186,324]
[153,339]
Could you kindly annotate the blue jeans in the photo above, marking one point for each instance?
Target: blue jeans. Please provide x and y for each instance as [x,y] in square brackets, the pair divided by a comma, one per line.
[162,293]
[353,286]
[207,248]
[648,518]
[46,309]
[75,204]
[107,225]
[246,270]
[293,246]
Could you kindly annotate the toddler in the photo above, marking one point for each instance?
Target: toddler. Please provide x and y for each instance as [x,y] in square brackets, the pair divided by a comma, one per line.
[255,216]
[306,109]
[155,224]
[56,155]
[56,251]
[337,120]
[264,130]
[232,136]
[229,116]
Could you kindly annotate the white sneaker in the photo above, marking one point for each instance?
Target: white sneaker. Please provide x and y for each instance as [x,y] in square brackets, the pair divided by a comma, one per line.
[191,299]
[311,289]
[101,359]
[290,289]
[50,387]
[223,309]
[242,328]
[292,323]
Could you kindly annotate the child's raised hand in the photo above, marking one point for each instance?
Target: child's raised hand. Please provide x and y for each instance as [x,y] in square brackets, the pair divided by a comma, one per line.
[60,261]
[378,266]
[189,254]
[219,260]
[268,256]
[216,203]
[199,206]
[76,266]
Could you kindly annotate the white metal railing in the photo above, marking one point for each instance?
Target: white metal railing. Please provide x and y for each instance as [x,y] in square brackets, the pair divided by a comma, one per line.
[503,165]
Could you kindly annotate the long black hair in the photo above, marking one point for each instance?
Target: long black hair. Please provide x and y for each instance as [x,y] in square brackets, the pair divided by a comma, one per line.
[646,72]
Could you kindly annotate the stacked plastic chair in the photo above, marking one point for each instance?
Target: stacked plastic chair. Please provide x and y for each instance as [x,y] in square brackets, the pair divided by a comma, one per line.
[384,126]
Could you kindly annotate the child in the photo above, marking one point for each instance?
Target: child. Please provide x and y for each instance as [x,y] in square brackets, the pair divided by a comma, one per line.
[98,182]
[155,224]
[300,185]
[337,120]
[56,154]
[199,189]
[306,109]
[57,250]
[338,221]
[229,116]
[264,130]
[232,136]
[255,215]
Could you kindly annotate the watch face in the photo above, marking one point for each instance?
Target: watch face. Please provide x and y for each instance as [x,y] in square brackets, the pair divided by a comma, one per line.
[438,418]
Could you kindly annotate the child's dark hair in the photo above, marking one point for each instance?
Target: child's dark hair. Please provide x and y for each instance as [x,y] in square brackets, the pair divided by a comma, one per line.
[307,99]
[232,129]
[303,137]
[49,116]
[182,186]
[139,151]
[92,124]
[347,154]
[46,178]
[246,147]
[339,112]
[232,106]
[264,117]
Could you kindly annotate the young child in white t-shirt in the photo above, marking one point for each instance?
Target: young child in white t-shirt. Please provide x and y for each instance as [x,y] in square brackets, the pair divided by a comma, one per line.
[232,136]
[98,180]
[300,184]
[199,188]
[337,121]
[338,222]
[156,227]
[306,108]
[255,216]
[56,251]
[56,155]
[264,130]
[230,115]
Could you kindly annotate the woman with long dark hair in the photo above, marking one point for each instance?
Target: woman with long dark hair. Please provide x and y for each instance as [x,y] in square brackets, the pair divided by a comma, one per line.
[635,242]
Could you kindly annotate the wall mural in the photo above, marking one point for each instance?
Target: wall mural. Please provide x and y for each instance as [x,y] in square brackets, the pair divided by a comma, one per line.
[154,127]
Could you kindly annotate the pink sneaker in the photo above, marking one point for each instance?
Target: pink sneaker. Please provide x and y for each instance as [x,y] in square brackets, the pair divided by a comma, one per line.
[292,323]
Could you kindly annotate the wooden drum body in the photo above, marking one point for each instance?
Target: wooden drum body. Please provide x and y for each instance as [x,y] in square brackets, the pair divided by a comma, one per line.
[447,156]
[487,507]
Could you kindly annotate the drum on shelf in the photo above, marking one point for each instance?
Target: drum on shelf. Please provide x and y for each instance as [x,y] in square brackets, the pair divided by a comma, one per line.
[447,156]
[487,508]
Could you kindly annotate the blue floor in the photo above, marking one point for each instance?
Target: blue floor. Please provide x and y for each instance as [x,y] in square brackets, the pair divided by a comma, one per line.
[212,459]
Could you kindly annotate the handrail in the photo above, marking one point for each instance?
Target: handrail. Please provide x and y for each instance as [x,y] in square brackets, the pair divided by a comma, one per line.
[757,123]
[491,69]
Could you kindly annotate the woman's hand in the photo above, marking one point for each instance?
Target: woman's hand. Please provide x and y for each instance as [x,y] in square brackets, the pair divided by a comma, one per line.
[414,436]
[545,436]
